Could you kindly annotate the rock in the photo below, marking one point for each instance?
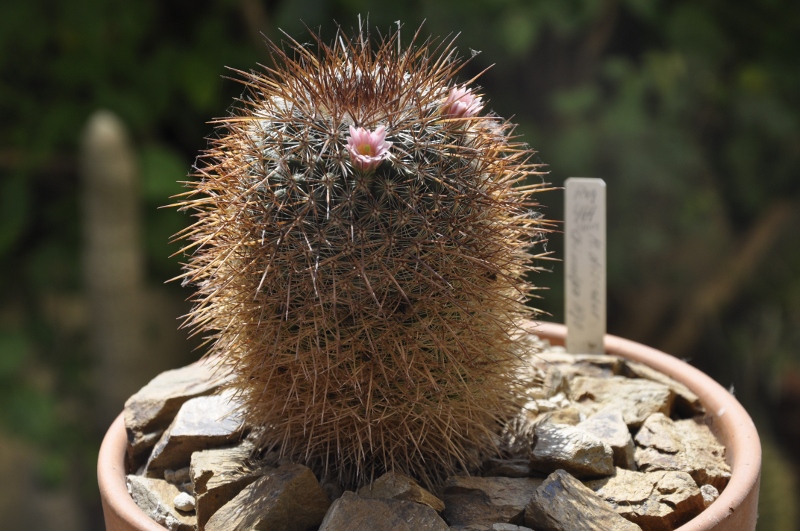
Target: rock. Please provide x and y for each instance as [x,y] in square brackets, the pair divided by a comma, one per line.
[657,501]
[659,432]
[286,498]
[184,502]
[508,468]
[687,445]
[397,486]
[572,449]
[155,497]
[493,527]
[562,503]
[637,399]
[686,402]
[201,423]
[148,412]
[218,475]
[177,477]
[475,500]
[351,512]
[609,426]
[573,365]
[709,493]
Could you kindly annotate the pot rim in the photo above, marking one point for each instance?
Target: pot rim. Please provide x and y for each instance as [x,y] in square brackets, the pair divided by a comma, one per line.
[737,503]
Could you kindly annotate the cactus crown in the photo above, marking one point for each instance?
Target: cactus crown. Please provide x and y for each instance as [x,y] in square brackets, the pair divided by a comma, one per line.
[361,237]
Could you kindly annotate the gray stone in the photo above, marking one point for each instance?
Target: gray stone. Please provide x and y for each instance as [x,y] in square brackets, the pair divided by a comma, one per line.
[709,493]
[562,503]
[148,412]
[288,498]
[572,449]
[184,502]
[177,477]
[686,402]
[201,423]
[637,399]
[397,486]
[218,475]
[487,527]
[609,426]
[351,512]
[657,501]
[155,497]
[509,468]
[474,500]
[685,445]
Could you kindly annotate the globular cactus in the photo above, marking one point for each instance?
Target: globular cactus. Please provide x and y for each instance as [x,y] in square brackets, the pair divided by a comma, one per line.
[362,236]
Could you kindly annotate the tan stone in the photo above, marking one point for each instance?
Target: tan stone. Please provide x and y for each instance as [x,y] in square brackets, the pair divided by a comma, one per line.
[685,445]
[351,512]
[155,497]
[572,449]
[562,503]
[397,486]
[656,501]
[637,399]
[218,475]
[148,412]
[609,426]
[288,498]
[686,402]
[475,500]
[201,423]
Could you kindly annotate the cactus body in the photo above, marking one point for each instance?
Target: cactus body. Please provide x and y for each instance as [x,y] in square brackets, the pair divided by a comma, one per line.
[367,306]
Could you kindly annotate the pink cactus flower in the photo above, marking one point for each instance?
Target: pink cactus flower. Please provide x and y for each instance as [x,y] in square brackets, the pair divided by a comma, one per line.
[461,103]
[367,148]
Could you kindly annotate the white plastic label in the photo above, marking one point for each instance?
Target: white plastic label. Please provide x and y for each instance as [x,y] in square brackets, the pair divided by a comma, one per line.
[585,264]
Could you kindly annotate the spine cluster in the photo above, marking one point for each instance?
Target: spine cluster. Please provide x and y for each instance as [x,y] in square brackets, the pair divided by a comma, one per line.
[359,254]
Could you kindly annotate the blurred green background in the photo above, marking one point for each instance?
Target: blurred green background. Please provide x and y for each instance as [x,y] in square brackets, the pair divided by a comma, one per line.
[689,109]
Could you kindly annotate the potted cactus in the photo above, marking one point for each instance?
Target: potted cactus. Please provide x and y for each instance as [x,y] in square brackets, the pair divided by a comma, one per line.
[360,252]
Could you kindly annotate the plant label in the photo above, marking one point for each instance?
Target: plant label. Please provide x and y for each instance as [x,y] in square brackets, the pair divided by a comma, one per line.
[585,264]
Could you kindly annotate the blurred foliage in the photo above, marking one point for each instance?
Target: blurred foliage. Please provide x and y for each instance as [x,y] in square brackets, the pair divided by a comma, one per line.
[688,109]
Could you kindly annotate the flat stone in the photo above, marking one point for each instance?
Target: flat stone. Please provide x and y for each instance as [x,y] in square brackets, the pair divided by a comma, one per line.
[687,403]
[201,423]
[684,445]
[218,475]
[657,501]
[351,512]
[397,486]
[155,497]
[572,449]
[637,398]
[609,426]
[475,500]
[287,498]
[148,412]
[508,468]
[562,503]
[659,432]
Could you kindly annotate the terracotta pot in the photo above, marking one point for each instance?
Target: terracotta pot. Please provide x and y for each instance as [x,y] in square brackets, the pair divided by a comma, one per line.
[735,509]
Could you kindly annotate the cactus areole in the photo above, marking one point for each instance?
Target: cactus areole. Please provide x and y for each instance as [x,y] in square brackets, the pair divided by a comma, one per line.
[363,228]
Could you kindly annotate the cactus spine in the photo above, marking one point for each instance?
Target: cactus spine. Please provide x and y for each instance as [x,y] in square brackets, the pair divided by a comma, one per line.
[362,232]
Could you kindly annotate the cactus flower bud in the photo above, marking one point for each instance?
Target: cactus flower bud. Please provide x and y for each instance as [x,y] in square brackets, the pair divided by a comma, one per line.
[461,103]
[367,149]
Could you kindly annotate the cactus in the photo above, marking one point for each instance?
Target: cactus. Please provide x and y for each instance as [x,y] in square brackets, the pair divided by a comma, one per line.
[363,230]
